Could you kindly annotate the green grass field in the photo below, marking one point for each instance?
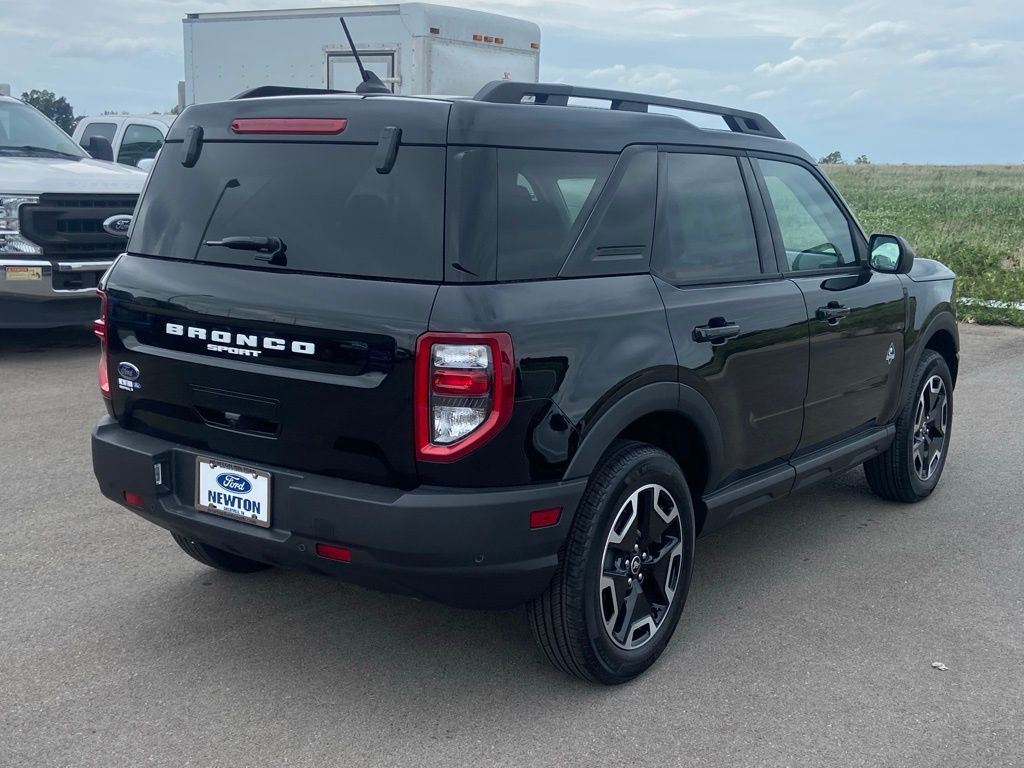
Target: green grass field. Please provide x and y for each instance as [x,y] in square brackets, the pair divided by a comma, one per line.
[970,218]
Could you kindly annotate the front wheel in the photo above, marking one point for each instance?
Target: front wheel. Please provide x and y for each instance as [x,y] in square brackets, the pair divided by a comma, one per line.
[623,578]
[910,469]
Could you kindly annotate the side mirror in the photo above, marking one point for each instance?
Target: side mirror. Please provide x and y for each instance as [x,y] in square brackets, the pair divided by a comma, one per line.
[146,164]
[100,148]
[891,254]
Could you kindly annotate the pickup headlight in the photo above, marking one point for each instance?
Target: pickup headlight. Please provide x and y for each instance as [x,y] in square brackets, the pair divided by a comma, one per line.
[11,241]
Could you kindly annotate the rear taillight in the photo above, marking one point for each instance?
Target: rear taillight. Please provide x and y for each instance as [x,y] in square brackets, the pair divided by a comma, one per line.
[99,327]
[464,390]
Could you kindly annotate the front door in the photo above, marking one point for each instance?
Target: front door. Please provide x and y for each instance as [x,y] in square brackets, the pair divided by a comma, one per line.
[856,316]
[739,328]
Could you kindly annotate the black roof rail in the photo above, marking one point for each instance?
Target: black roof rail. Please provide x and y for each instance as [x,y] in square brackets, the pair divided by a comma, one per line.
[558,94]
[281,90]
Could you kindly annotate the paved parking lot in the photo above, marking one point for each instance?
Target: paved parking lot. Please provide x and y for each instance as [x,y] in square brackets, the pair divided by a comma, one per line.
[808,638]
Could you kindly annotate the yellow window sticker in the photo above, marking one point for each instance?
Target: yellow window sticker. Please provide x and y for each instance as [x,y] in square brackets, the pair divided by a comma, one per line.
[23,273]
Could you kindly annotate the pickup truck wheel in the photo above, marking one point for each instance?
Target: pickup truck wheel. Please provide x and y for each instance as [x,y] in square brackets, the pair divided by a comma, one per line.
[910,469]
[624,573]
[218,558]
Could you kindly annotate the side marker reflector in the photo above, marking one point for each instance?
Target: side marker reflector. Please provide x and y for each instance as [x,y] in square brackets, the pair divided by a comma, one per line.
[545,518]
[331,552]
[134,499]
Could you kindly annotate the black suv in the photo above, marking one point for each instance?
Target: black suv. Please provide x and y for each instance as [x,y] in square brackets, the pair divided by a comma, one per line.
[506,349]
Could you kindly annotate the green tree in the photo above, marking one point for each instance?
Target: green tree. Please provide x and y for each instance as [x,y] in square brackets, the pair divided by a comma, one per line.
[54,107]
[862,160]
[832,158]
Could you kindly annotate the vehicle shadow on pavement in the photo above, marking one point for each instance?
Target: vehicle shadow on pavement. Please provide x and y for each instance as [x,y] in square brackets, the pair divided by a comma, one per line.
[294,634]
[14,342]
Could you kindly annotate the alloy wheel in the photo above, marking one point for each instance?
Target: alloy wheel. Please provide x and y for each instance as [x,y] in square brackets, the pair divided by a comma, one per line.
[643,558]
[931,424]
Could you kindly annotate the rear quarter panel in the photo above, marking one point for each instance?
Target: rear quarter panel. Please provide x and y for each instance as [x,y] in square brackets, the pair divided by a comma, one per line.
[580,345]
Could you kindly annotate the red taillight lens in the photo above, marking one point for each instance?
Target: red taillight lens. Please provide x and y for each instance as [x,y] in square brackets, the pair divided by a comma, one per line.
[99,327]
[331,552]
[448,382]
[464,392]
[305,126]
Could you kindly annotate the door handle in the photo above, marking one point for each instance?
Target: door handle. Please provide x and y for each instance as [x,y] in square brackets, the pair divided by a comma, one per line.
[833,313]
[717,331]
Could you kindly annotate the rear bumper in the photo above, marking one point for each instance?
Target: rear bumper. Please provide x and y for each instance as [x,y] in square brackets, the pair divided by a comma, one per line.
[468,548]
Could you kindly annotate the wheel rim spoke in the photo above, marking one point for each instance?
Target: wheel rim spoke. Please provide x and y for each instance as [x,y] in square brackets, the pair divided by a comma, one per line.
[931,423]
[642,561]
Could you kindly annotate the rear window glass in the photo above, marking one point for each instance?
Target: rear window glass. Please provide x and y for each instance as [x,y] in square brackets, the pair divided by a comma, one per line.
[542,197]
[707,228]
[327,203]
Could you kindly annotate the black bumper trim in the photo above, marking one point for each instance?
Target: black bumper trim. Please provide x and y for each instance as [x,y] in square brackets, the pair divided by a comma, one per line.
[463,547]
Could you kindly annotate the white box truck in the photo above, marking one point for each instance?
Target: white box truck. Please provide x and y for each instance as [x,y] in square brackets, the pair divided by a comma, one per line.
[415,48]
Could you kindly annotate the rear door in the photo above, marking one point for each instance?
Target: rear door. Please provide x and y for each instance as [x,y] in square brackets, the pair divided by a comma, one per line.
[856,316]
[739,329]
[301,358]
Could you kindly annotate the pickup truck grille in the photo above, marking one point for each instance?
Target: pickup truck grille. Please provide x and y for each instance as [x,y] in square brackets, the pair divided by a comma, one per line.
[70,227]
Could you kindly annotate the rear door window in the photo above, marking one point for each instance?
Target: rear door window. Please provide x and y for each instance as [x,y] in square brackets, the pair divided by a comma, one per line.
[326,202]
[706,230]
[542,200]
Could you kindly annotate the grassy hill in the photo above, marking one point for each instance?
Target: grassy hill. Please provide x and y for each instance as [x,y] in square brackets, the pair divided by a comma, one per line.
[970,218]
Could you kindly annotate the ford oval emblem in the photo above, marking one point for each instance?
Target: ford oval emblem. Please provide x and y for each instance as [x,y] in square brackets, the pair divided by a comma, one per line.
[229,481]
[118,225]
[128,371]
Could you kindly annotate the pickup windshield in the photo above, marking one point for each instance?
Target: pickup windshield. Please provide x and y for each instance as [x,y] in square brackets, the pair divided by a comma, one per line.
[326,203]
[25,131]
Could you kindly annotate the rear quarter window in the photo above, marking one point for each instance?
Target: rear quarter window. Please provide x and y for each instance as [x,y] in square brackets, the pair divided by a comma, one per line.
[542,197]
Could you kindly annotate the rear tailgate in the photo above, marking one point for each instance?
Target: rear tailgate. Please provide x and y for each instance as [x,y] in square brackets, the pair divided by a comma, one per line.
[306,364]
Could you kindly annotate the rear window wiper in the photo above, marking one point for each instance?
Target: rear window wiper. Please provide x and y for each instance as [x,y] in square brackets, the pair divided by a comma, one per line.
[273,247]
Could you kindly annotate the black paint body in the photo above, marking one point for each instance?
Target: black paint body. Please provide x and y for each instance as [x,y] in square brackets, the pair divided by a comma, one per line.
[604,349]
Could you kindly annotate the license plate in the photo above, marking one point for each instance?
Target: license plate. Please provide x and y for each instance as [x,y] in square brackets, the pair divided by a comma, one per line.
[230,490]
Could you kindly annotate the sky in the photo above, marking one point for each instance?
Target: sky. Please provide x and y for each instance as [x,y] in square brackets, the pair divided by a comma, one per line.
[914,81]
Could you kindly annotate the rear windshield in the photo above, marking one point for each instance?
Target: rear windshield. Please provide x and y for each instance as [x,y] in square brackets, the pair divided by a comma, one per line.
[327,203]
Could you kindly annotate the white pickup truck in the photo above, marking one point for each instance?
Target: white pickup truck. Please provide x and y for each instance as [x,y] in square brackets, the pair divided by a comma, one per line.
[63,219]
[133,139]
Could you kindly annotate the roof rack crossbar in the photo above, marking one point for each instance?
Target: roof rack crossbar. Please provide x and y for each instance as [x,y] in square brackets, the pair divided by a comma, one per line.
[558,94]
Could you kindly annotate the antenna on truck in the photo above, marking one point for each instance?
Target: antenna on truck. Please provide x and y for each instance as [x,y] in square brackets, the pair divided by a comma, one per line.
[371,83]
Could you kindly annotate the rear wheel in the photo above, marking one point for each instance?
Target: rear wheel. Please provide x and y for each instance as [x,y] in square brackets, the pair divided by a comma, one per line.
[910,469]
[218,558]
[619,590]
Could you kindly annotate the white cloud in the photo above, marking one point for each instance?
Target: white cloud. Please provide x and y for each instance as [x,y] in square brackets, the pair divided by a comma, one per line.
[878,34]
[768,94]
[797,66]
[972,54]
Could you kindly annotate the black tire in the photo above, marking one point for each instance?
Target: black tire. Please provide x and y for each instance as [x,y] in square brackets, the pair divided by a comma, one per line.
[896,475]
[570,620]
[218,558]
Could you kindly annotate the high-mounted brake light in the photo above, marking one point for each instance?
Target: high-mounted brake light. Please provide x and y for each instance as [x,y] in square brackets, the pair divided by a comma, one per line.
[305,126]
[464,392]
[99,327]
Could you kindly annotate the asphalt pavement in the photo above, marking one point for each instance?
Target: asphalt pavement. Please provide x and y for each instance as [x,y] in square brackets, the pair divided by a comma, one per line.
[808,638]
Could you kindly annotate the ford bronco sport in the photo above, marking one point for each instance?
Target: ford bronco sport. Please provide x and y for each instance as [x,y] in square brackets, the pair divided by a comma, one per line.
[506,349]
